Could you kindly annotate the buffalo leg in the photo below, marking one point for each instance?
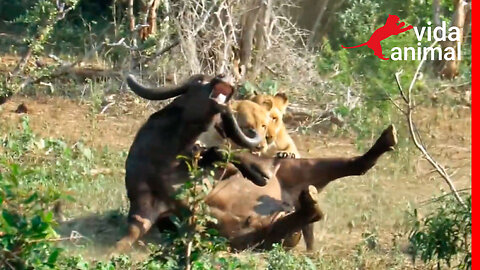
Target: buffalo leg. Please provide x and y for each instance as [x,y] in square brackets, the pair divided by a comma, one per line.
[145,210]
[384,143]
[321,171]
[308,236]
[251,167]
[308,212]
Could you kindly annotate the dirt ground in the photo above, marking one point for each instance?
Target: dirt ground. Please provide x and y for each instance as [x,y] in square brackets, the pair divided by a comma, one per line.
[375,203]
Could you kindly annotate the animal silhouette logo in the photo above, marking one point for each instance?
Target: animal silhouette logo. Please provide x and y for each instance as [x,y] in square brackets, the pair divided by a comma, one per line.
[391,28]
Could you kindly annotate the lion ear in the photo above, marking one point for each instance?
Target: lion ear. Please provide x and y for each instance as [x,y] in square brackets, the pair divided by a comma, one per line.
[267,104]
[282,100]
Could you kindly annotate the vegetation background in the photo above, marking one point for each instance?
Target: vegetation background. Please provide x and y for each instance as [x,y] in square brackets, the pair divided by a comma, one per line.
[67,120]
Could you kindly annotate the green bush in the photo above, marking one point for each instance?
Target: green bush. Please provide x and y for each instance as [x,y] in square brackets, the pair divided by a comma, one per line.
[445,234]
[36,171]
[25,224]
[279,259]
[193,239]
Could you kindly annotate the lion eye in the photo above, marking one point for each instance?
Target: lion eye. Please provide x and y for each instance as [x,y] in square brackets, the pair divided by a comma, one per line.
[274,119]
[264,126]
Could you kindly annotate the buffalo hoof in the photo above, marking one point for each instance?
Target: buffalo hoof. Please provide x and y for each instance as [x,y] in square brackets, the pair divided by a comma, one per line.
[309,204]
[122,246]
[388,138]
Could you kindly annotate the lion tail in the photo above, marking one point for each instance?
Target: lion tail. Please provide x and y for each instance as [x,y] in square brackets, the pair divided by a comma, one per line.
[363,44]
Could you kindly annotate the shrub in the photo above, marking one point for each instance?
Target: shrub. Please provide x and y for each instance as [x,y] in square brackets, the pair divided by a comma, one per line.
[278,258]
[193,241]
[25,224]
[444,234]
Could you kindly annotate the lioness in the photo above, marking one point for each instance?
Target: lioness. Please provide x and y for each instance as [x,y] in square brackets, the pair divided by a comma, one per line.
[277,137]
[251,117]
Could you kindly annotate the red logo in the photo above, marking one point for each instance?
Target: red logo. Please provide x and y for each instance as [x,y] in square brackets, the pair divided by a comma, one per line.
[390,28]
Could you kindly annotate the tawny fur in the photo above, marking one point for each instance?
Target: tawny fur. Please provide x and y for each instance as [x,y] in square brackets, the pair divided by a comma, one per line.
[250,117]
[278,139]
[248,214]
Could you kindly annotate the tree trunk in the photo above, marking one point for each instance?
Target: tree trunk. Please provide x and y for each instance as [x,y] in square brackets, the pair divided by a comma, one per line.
[248,31]
[261,36]
[131,23]
[468,23]
[436,12]
[318,20]
[150,21]
[131,17]
[329,19]
[225,25]
[450,67]
[152,17]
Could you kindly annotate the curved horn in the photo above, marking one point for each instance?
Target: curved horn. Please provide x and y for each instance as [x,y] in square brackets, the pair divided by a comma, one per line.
[161,93]
[233,131]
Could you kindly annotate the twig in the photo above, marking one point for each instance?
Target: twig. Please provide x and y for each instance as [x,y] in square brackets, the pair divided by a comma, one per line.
[396,104]
[9,265]
[415,134]
[49,85]
[272,71]
[397,79]
[56,58]
[106,107]
[74,235]
[436,199]
[189,253]
[161,52]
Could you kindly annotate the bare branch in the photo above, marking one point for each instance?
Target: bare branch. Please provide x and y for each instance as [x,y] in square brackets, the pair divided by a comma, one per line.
[415,134]
[188,254]
[396,105]
[175,43]
[400,88]
[74,235]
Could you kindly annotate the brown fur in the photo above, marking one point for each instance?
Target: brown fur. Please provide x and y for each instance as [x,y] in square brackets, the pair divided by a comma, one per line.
[153,171]
[253,216]
[249,215]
